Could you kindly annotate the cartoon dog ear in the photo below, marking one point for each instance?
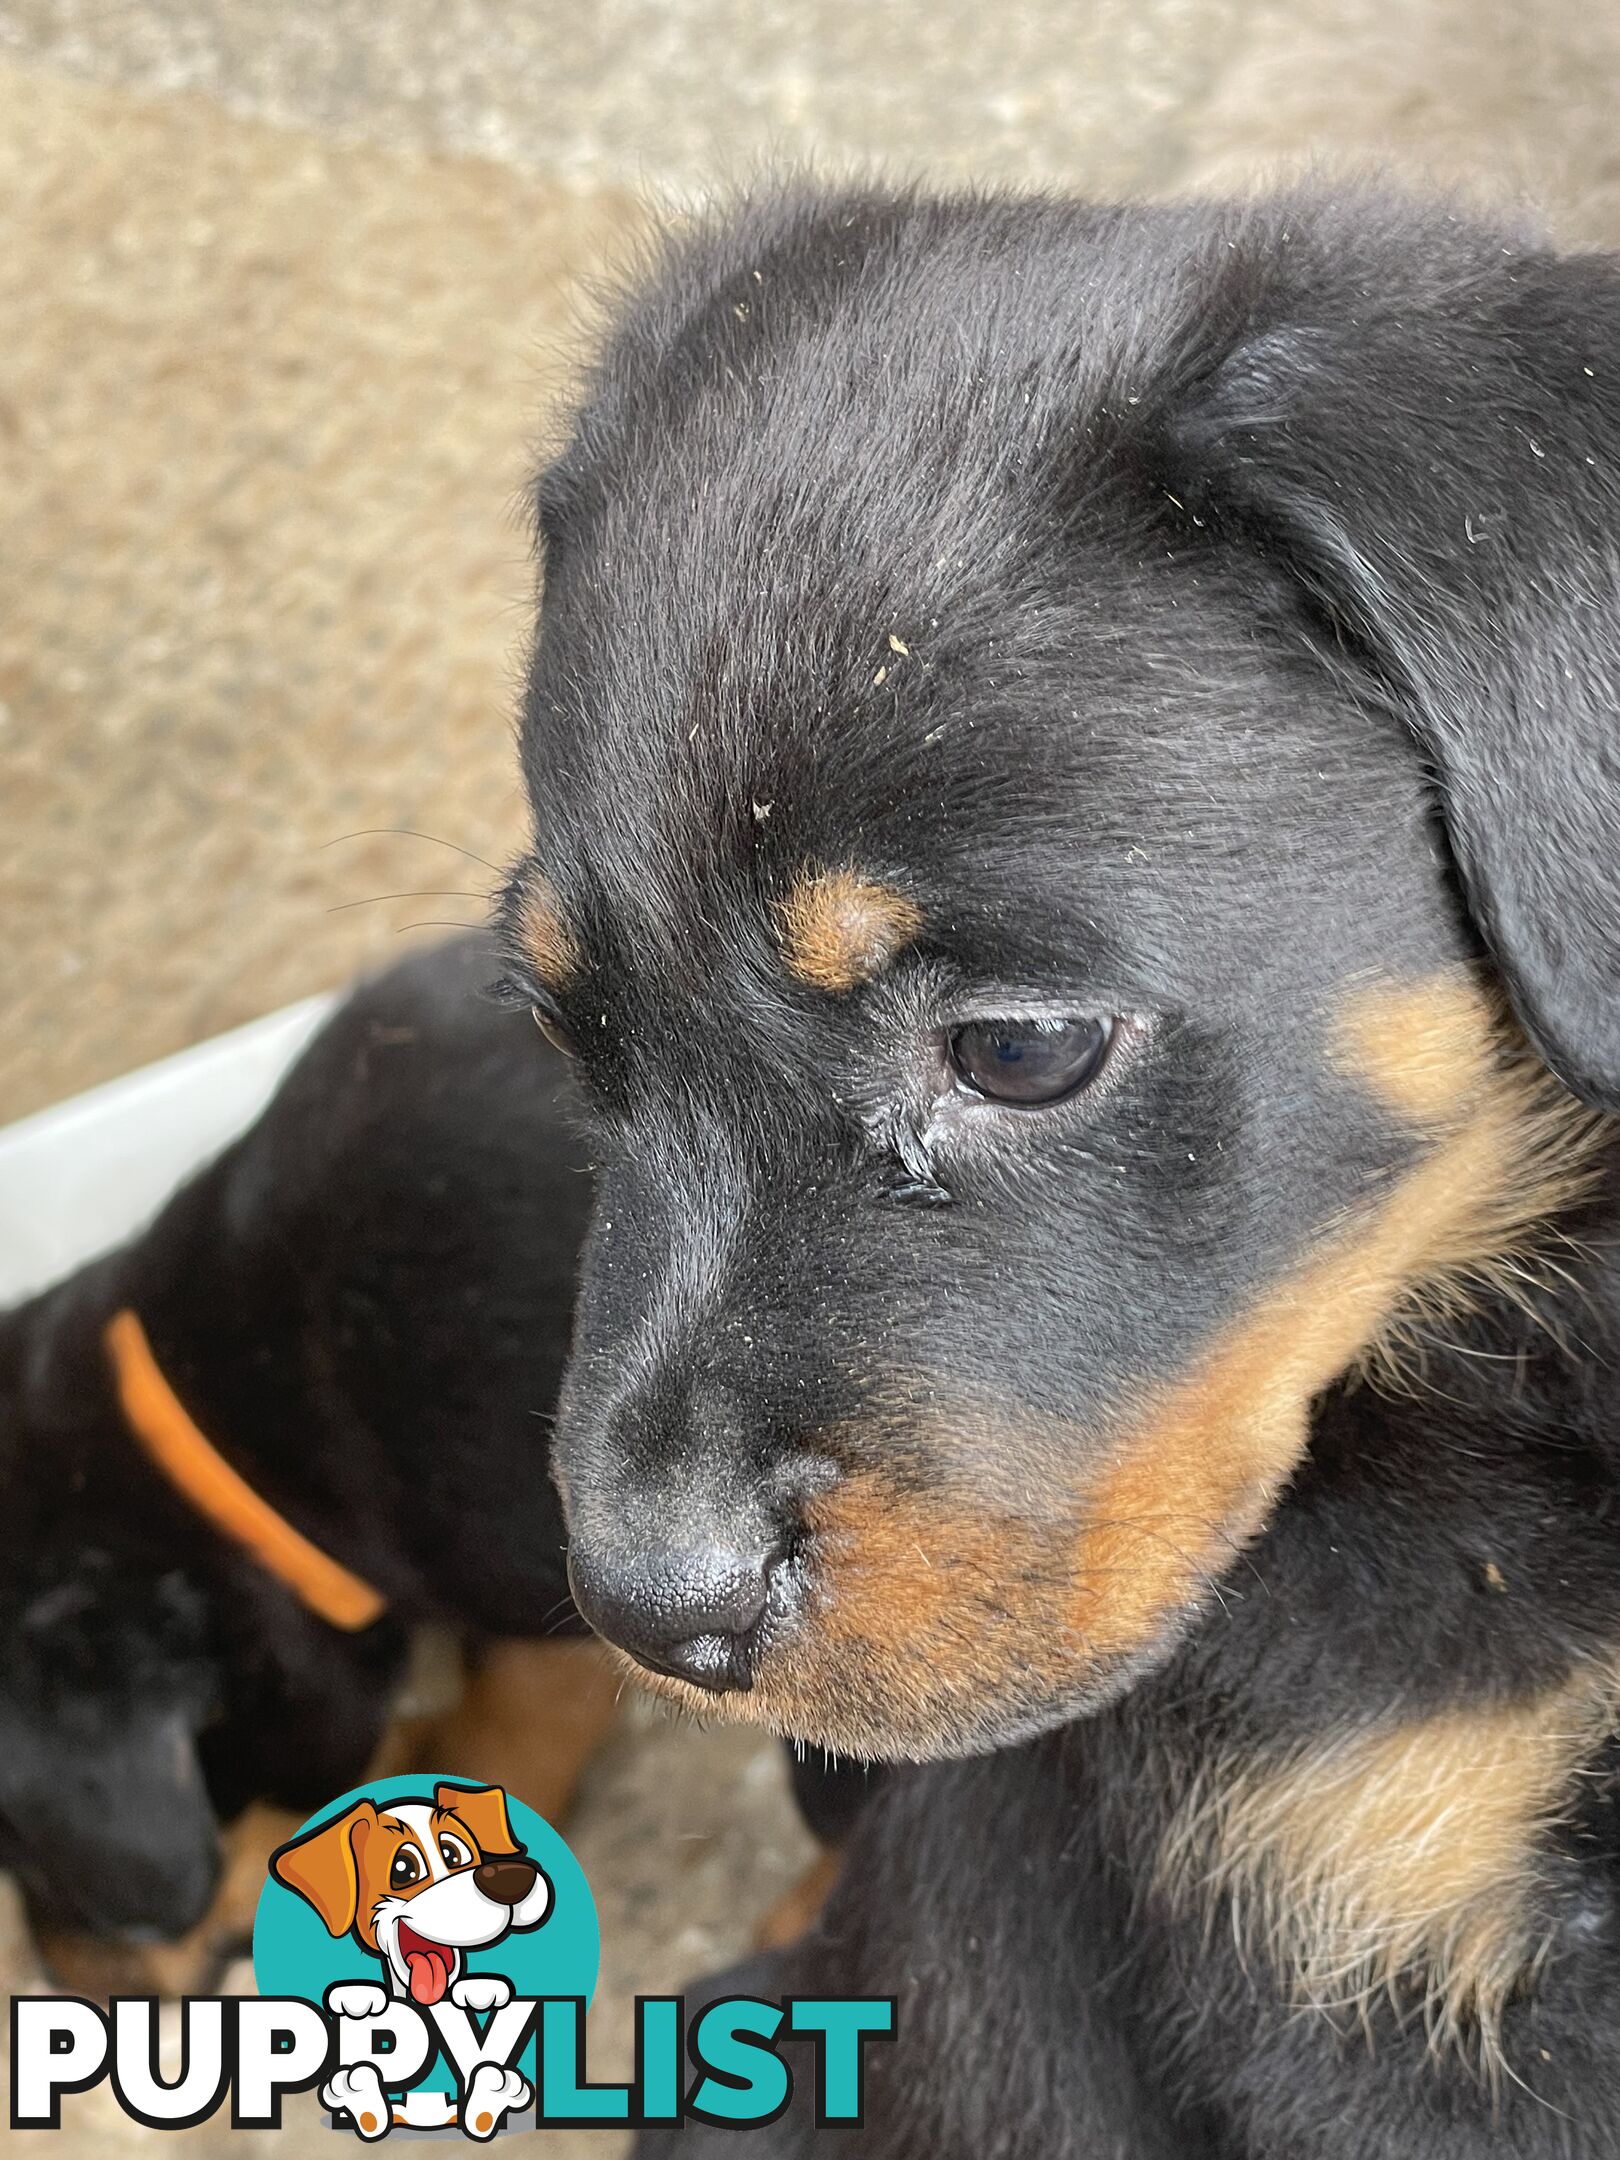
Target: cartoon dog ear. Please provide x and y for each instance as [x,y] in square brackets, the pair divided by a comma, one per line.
[483,1809]
[324,1866]
[1435,459]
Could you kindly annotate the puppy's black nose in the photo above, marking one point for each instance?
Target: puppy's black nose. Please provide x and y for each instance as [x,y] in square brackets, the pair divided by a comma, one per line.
[507,1881]
[695,1615]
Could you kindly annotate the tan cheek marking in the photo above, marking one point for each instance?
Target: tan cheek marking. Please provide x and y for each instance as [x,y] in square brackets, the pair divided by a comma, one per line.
[551,947]
[1423,1049]
[910,1575]
[1204,1471]
[838,929]
[1409,1852]
[923,1615]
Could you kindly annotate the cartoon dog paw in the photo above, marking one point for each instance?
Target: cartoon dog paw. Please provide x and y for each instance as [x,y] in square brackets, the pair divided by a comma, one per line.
[358,2093]
[492,2093]
[482,1991]
[356,1999]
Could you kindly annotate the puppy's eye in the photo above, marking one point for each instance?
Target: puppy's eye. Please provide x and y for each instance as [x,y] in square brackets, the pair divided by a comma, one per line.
[553,1030]
[407,1868]
[452,1852]
[1029,1062]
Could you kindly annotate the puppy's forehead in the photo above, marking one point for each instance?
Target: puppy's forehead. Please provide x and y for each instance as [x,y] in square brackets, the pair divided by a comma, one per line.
[799,511]
[833,785]
[854,569]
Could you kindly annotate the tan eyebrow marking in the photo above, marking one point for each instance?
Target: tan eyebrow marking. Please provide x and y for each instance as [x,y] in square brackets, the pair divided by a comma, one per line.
[549,945]
[838,929]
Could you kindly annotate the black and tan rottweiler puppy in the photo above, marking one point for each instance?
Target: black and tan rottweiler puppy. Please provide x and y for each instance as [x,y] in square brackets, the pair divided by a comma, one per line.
[305,1412]
[1077,794]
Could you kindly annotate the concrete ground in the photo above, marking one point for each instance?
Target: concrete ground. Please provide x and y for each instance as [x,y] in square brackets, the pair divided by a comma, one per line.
[289,294]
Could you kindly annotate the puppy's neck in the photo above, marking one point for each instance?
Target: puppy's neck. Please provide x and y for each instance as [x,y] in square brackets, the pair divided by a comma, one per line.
[225,1342]
[1388,1742]
[1531,1337]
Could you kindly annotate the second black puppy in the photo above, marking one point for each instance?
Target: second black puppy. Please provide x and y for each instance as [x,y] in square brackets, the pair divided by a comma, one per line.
[306,1411]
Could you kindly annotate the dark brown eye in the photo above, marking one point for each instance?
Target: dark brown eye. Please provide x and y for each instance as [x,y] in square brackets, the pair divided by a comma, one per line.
[553,1030]
[407,1868]
[1029,1062]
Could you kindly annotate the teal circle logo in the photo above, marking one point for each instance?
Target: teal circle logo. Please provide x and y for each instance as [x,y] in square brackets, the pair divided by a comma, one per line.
[422,1891]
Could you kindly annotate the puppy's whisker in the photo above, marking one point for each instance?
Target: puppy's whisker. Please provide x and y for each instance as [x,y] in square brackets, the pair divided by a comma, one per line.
[428,892]
[411,832]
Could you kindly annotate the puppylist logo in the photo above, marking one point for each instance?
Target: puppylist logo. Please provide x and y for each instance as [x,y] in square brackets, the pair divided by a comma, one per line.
[425,1951]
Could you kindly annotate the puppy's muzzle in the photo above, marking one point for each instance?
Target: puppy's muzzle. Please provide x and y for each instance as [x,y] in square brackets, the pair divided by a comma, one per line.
[694,1613]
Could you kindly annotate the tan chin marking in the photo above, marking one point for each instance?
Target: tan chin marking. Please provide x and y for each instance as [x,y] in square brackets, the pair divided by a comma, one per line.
[838,929]
[550,947]
[1404,1859]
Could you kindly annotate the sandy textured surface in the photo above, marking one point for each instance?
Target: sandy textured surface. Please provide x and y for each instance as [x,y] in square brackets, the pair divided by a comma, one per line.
[265,409]
[1110,94]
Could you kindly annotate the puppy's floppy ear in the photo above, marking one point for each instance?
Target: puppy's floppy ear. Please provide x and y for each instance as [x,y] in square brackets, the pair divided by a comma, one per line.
[1432,449]
[323,1866]
[483,1809]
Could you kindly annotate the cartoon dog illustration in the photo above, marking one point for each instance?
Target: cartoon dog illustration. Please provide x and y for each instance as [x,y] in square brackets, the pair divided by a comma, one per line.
[419,1883]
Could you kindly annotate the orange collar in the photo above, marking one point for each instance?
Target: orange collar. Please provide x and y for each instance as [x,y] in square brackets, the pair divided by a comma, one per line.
[196,1468]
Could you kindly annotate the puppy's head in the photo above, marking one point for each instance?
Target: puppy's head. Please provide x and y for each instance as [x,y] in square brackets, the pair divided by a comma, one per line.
[156,1682]
[419,1882]
[105,1814]
[1072,762]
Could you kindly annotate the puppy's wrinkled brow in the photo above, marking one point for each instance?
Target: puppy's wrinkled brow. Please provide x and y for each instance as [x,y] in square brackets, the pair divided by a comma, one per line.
[838,929]
[548,944]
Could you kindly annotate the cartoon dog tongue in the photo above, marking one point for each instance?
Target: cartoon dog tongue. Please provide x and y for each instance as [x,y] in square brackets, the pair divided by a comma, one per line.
[428,1964]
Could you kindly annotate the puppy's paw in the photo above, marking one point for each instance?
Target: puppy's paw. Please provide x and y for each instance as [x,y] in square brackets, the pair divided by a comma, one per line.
[358,2093]
[482,1991]
[356,1999]
[492,2094]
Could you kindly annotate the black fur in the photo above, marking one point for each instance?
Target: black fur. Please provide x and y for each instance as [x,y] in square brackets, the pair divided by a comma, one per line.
[365,1304]
[1195,613]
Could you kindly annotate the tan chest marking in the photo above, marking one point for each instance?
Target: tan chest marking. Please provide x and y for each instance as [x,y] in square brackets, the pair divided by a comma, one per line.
[1403,1859]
